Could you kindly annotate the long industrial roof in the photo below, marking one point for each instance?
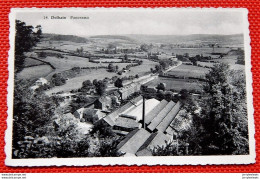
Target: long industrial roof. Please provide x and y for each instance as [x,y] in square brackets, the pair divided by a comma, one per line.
[138,110]
[157,120]
[169,118]
[133,141]
[152,114]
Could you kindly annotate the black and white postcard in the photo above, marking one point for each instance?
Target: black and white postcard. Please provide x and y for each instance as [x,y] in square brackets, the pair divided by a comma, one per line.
[129,86]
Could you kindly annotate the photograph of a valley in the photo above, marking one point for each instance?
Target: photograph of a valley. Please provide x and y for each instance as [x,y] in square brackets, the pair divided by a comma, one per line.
[129,84]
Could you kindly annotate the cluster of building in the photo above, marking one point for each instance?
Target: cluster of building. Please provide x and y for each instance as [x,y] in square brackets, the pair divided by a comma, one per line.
[146,124]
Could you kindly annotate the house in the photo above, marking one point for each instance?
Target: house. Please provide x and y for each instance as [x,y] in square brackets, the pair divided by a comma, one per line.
[90,115]
[79,113]
[41,81]
[110,119]
[128,90]
[103,103]
[38,83]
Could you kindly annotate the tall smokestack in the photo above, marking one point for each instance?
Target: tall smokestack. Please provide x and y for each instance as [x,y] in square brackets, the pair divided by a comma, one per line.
[144,112]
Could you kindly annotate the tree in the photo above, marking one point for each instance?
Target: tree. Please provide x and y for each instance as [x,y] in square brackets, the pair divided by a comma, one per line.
[144,47]
[32,114]
[169,149]
[25,40]
[224,113]
[111,67]
[157,68]
[58,80]
[118,83]
[125,57]
[95,81]
[100,87]
[87,84]
[161,86]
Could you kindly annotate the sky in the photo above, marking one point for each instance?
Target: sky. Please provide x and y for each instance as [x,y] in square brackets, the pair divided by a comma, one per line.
[136,21]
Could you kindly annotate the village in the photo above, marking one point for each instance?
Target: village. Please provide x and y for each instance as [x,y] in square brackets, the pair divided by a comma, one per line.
[140,107]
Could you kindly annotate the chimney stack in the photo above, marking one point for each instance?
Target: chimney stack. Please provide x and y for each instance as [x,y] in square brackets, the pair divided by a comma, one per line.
[144,113]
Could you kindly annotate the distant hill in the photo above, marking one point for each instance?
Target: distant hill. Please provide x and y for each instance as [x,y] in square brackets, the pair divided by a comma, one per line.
[236,39]
[71,38]
[177,39]
[186,39]
[115,37]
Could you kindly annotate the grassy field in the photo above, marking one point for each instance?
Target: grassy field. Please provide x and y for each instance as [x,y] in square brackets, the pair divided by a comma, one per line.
[230,59]
[144,68]
[34,72]
[194,51]
[108,60]
[175,84]
[76,83]
[31,62]
[188,71]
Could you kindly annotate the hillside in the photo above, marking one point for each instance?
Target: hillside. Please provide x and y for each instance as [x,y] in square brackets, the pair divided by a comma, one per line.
[227,40]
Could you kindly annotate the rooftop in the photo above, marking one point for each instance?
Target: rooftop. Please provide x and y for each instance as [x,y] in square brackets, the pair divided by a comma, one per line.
[155,140]
[138,110]
[153,113]
[133,141]
[126,123]
[157,120]
[165,123]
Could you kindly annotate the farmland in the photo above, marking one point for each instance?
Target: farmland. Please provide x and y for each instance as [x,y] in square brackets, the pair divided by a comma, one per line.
[28,62]
[206,51]
[107,60]
[143,68]
[87,74]
[188,71]
[176,84]
[76,83]
[96,46]
[34,72]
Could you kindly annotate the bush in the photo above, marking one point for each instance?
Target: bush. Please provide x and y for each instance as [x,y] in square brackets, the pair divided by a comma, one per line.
[58,80]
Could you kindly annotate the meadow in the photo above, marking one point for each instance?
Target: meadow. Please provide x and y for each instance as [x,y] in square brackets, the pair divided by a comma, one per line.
[76,83]
[188,71]
[35,72]
[31,62]
[143,68]
[176,84]
[206,51]
[107,60]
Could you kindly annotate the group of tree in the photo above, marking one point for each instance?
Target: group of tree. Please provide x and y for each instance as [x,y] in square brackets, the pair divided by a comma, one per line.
[32,112]
[118,83]
[26,37]
[163,65]
[145,47]
[86,86]
[112,68]
[80,50]
[62,139]
[58,80]
[100,86]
